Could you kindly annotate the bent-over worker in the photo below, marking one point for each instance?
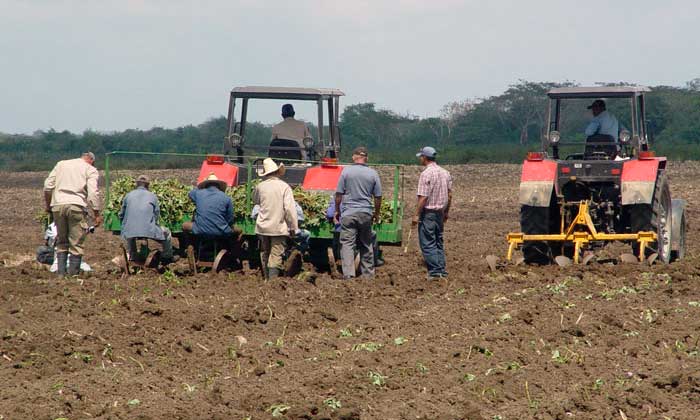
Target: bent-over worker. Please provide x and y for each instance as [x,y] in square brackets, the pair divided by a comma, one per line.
[139,219]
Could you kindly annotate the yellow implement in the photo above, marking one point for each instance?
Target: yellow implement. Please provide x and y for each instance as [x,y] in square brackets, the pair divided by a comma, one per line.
[581,232]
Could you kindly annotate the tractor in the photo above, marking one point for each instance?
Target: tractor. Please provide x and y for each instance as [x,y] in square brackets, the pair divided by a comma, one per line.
[607,187]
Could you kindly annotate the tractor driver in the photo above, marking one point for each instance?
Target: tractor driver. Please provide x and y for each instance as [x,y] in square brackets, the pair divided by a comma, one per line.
[291,129]
[603,122]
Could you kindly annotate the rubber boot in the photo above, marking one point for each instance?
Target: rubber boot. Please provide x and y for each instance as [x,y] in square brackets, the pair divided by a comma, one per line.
[273,273]
[74,264]
[61,260]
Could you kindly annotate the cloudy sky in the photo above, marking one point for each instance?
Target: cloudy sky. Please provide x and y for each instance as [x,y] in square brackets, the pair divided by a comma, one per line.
[116,64]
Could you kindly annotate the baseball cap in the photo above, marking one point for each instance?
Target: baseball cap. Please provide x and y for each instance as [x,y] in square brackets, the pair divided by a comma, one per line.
[427,151]
[144,179]
[597,103]
[360,151]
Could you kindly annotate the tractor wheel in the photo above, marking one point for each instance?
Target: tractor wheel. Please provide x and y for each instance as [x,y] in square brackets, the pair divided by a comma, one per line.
[655,217]
[535,221]
[679,254]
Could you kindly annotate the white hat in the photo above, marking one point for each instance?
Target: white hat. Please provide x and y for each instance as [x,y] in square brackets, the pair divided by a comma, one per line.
[213,180]
[270,167]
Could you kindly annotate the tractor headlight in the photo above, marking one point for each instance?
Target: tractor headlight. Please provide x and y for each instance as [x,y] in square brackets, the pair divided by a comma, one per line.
[308,142]
[554,137]
[625,136]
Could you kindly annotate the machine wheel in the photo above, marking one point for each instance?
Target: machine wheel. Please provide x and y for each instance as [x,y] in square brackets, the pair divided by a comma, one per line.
[679,253]
[655,217]
[535,221]
[191,262]
[222,261]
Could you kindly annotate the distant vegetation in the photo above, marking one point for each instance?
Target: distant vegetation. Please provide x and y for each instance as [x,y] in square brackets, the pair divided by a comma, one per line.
[494,129]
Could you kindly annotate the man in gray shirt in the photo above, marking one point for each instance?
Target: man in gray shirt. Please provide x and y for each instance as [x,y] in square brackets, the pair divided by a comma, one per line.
[139,219]
[359,198]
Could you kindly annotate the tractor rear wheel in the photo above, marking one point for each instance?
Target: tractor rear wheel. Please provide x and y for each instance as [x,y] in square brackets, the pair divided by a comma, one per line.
[655,217]
[535,221]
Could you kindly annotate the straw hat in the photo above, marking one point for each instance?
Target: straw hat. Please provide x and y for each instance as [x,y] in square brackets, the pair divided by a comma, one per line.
[270,167]
[213,180]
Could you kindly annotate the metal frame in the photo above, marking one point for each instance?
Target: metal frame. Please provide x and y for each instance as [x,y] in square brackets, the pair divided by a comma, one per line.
[581,232]
[330,149]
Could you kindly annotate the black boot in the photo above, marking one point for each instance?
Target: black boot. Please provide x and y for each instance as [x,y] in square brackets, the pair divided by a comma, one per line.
[61,260]
[74,264]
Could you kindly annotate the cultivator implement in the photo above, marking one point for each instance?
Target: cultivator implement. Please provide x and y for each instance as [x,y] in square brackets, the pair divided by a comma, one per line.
[581,233]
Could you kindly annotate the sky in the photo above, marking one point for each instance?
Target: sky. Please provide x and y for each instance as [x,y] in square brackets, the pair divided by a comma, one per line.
[110,65]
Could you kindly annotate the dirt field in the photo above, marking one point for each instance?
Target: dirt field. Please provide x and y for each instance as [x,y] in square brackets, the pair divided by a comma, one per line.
[596,342]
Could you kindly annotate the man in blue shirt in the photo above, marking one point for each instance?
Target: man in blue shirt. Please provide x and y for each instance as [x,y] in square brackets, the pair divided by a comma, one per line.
[603,122]
[139,219]
[359,198]
[213,215]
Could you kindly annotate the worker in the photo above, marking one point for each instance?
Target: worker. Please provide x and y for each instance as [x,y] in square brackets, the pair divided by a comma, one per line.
[139,219]
[70,191]
[291,129]
[277,219]
[358,197]
[603,122]
[330,215]
[433,209]
[302,237]
[213,215]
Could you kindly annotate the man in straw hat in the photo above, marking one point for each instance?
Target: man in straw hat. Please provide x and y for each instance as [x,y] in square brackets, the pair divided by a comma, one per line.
[139,219]
[277,218]
[70,191]
[213,214]
[358,198]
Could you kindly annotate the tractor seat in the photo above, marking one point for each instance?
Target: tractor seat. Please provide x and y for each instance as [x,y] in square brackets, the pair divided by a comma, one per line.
[284,155]
[600,146]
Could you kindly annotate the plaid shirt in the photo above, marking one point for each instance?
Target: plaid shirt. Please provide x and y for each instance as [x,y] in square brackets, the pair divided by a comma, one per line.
[435,183]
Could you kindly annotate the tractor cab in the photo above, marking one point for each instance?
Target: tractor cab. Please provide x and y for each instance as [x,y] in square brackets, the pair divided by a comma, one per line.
[317,152]
[616,130]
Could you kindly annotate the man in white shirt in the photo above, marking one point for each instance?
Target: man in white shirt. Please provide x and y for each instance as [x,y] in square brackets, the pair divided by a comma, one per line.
[603,122]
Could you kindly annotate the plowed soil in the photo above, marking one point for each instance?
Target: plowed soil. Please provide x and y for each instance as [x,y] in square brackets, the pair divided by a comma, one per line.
[604,341]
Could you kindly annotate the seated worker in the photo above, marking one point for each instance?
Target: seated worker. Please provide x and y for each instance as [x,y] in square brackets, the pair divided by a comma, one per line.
[213,215]
[603,122]
[139,219]
[330,214]
[290,129]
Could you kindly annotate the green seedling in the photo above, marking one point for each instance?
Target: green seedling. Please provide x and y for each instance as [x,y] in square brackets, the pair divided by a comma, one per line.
[332,403]
[133,403]
[598,384]
[377,378]
[345,332]
[483,350]
[469,377]
[399,341]
[369,346]
[278,410]
[421,368]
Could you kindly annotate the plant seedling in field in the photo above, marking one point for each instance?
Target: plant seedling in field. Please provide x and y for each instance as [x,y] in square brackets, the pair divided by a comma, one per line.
[345,332]
[376,378]
[369,346]
[400,340]
[278,410]
[332,403]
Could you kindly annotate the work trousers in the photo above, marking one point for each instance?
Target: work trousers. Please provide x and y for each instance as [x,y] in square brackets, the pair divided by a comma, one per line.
[356,233]
[271,251]
[71,228]
[166,244]
[430,228]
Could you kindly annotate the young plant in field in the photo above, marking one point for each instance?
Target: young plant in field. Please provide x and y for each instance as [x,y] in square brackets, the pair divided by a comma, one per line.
[345,332]
[421,368]
[469,377]
[400,340]
[376,378]
[332,403]
[278,410]
[369,346]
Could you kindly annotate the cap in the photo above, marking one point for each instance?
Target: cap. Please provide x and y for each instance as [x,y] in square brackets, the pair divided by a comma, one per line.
[143,179]
[597,103]
[427,151]
[360,151]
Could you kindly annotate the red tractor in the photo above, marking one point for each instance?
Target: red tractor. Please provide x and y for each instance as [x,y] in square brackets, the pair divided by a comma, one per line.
[611,187]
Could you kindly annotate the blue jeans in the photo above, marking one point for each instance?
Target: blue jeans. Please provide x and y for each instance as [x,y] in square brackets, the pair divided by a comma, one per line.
[430,239]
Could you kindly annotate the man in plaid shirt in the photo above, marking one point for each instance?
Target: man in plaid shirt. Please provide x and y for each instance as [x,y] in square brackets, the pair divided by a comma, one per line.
[434,199]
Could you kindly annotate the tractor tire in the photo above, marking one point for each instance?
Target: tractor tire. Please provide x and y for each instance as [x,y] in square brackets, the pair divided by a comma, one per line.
[654,217]
[679,254]
[535,221]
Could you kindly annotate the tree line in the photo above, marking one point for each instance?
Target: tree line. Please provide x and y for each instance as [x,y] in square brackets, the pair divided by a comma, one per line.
[499,128]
